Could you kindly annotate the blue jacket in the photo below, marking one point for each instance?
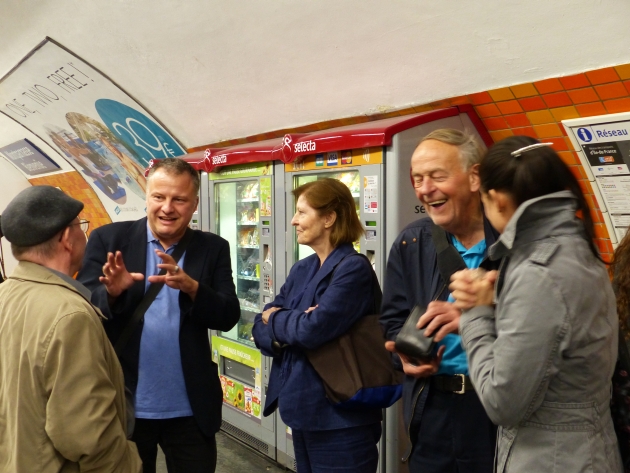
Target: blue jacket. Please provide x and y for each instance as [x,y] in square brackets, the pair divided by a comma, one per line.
[294,386]
[413,278]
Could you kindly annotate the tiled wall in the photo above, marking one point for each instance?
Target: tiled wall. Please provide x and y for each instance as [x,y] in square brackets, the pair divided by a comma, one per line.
[73,184]
[534,109]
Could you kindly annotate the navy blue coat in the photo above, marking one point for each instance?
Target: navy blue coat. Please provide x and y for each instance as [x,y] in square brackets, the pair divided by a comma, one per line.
[294,385]
[413,278]
[215,307]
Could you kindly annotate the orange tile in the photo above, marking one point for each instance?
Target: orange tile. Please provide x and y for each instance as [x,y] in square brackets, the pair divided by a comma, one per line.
[568,157]
[613,90]
[480,98]
[564,113]
[583,95]
[592,203]
[574,82]
[591,109]
[569,144]
[618,105]
[596,215]
[600,231]
[525,131]
[532,103]
[461,100]
[557,99]
[489,110]
[540,117]
[586,187]
[517,120]
[605,248]
[547,131]
[626,84]
[500,134]
[495,123]
[578,172]
[548,86]
[558,144]
[509,107]
[499,95]
[623,71]
[524,90]
[602,76]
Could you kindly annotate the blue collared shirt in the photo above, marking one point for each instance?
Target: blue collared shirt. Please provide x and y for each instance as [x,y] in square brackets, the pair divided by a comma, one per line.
[454,360]
[161,391]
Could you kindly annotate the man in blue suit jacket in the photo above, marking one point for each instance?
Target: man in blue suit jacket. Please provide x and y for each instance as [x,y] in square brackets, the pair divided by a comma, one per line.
[167,361]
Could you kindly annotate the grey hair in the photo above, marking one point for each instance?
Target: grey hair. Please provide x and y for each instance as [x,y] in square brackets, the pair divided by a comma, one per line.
[177,167]
[470,149]
[45,250]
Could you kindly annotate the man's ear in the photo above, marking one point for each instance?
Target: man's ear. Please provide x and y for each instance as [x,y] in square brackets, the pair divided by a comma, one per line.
[473,178]
[65,239]
[330,219]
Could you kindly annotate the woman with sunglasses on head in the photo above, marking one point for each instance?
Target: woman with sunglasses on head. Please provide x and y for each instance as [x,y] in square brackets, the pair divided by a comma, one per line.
[541,333]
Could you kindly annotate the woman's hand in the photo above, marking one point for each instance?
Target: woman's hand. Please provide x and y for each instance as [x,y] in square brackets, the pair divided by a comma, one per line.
[267,313]
[473,287]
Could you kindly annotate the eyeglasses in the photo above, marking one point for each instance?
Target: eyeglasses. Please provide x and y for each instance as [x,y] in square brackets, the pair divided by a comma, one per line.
[85,225]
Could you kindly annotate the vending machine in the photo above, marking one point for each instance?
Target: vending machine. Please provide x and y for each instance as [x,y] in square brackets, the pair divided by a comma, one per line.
[237,202]
[373,160]
[246,198]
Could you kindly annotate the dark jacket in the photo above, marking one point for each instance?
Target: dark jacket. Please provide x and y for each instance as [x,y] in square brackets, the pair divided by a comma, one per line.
[215,307]
[294,385]
[413,278]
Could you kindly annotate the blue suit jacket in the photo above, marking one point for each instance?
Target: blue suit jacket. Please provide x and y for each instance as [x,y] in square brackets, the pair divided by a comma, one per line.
[215,307]
[294,385]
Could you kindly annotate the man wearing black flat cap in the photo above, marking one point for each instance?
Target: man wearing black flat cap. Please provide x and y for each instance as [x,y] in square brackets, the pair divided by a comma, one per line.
[62,401]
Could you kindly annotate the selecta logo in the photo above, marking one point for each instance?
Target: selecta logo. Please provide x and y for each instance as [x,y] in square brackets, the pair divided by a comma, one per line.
[304,146]
[219,159]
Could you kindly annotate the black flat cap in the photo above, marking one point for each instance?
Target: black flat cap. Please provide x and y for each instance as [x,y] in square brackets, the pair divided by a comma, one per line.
[37,214]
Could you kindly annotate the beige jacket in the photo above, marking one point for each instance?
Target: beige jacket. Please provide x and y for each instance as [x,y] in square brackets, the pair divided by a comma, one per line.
[62,403]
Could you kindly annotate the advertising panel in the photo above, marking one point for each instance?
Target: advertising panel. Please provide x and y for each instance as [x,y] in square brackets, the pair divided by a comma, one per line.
[236,394]
[29,159]
[606,148]
[106,135]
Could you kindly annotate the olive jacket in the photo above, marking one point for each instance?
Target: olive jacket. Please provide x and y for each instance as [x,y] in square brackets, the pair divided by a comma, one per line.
[62,401]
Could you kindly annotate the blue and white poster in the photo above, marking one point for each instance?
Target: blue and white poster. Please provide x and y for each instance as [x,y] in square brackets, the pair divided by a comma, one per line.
[27,157]
[99,129]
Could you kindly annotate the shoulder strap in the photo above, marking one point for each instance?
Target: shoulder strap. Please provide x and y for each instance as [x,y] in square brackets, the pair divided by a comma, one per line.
[376,288]
[449,260]
[149,296]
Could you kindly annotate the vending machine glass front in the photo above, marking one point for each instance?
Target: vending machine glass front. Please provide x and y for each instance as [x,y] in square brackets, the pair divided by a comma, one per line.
[350,178]
[237,214]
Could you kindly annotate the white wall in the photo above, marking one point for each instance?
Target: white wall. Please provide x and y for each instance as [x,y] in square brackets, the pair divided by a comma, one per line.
[213,69]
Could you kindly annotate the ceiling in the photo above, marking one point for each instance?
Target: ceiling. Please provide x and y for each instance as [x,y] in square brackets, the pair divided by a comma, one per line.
[213,70]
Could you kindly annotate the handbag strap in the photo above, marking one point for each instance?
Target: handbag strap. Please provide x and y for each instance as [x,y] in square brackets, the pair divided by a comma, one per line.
[149,296]
[449,260]
[376,287]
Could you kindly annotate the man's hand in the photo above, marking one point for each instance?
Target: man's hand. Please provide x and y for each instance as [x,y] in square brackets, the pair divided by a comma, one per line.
[422,369]
[440,315]
[267,313]
[472,288]
[116,278]
[175,276]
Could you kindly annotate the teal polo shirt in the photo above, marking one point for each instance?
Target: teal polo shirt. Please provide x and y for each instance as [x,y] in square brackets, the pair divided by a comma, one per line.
[454,360]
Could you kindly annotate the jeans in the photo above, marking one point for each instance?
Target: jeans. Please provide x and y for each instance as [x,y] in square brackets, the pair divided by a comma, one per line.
[453,435]
[349,450]
[186,448]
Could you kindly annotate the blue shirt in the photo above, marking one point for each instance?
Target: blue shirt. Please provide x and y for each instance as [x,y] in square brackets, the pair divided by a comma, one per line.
[161,391]
[454,360]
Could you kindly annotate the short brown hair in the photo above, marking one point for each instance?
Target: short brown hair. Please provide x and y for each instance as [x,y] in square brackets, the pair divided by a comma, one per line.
[328,196]
[177,167]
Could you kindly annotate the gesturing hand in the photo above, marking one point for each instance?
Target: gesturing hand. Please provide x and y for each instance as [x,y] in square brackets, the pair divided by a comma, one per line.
[472,288]
[116,278]
[175,276]
[441,316]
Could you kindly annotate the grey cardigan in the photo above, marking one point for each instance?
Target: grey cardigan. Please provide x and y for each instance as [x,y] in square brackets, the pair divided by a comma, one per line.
[542,359]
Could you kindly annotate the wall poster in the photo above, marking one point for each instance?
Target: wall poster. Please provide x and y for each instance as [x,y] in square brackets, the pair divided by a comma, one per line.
[106,135]
[605,144]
